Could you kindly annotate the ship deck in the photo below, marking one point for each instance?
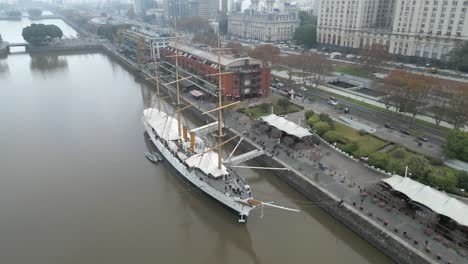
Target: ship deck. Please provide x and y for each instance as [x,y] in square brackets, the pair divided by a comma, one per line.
[232,184]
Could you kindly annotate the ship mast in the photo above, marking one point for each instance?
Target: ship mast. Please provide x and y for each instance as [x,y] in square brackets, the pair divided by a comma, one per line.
[158,95]
[220,104]
[177,79]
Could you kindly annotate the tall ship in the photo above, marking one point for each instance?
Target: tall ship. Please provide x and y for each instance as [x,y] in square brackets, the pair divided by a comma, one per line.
[186,150]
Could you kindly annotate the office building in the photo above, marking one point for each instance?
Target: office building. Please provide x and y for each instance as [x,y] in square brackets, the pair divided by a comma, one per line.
[427,29]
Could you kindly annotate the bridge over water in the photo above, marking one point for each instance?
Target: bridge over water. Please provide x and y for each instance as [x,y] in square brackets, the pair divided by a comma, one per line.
[6,47]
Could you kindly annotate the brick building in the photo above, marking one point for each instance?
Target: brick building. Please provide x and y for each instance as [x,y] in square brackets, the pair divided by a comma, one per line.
[249,78]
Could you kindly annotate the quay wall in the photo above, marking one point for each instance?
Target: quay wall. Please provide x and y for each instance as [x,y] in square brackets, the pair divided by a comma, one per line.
[390,244]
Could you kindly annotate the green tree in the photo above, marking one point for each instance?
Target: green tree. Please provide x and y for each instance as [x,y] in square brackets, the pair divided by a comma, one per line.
[351,147]
[308,114]
[321,127]
[325,118]
[264,108]
[379,160]
[399,153]
[284,103]
[38,34]
[463,180]
[306,33]
[442,178]
[141,50]
[397,166]
[458,57]
[35,12]
[457,145]
[331,136]
[312,120]
[419,166]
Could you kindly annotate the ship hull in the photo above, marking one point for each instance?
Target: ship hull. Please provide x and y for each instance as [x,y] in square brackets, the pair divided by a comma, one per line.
[240,209]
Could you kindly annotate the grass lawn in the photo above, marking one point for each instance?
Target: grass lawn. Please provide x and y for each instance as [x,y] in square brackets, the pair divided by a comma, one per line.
[367,143]
[262,110]
[355,71]
[407,155]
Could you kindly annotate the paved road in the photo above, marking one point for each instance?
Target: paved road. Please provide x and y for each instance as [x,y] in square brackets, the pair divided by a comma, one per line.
[435,136]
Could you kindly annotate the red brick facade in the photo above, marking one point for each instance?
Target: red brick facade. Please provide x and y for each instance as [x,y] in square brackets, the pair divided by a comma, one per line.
[245,82]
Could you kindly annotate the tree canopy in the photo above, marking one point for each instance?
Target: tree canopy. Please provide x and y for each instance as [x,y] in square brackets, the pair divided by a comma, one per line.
[267,53]
[306,33]
[195,24]
[459,57]
[208,38]
[110,31]
[38,34]
[35,12]
[457,145]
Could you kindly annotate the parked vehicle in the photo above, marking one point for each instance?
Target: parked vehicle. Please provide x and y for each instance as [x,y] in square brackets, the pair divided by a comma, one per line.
[388,126]
[406,132]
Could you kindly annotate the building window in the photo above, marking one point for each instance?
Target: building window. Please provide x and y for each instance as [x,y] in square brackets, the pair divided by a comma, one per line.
[426,51]
[435,52]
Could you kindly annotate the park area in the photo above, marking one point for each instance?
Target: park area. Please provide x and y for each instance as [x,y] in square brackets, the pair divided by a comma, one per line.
[388,156]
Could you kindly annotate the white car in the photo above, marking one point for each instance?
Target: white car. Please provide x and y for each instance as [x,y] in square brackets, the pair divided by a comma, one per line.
[333,102]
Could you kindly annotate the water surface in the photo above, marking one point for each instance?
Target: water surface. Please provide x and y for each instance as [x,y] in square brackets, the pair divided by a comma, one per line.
[75,186]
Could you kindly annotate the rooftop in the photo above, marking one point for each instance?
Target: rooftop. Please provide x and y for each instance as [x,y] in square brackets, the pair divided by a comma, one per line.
[435,200]
[226,60]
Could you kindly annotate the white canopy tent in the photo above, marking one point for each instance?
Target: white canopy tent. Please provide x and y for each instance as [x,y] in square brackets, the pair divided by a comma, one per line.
[164,125]
[286,126]
[435,200]
[208,163]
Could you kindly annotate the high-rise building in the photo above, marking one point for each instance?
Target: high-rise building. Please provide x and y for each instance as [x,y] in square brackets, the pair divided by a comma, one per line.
[139,7]
[176,8]
[224,6]
[208,8]
[428,29]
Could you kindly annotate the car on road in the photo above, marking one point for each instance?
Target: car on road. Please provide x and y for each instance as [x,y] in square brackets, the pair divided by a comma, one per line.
[333,102]
[303,88]
[423,138]
[386,125]
[406,132]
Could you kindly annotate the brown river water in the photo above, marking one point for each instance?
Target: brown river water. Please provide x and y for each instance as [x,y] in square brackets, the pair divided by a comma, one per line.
[75,186]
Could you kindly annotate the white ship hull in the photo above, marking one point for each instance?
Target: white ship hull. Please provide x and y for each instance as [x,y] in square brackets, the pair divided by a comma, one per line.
[235,204]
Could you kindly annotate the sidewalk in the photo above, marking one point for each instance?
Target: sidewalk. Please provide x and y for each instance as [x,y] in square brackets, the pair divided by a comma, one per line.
[346,178]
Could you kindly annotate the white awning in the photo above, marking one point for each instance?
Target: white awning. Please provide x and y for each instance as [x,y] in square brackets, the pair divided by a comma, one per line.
[435,200]
[208,163]
[286,126]
[164,125]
